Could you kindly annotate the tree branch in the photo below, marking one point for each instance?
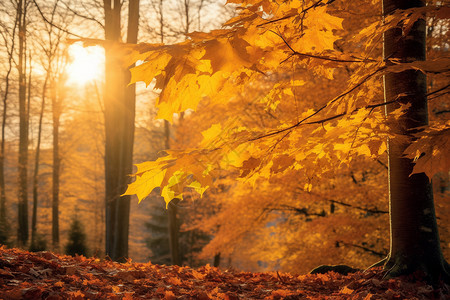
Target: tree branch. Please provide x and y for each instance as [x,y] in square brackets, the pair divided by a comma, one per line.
[373,211]
[294,52]
[302,122]
[83,16]
[438,90]
[362,248]
[54,25]
[302,210]
[369,210]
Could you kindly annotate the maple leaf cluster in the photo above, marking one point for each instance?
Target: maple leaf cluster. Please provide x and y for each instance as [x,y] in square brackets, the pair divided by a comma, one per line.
[44,275]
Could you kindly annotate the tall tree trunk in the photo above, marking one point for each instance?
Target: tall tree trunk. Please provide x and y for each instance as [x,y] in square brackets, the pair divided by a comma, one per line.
[414,242]
[119,130]
[22,232]
[4,226]
[56,98]
[29,94]
[36,165]
[112,96]
[126,143]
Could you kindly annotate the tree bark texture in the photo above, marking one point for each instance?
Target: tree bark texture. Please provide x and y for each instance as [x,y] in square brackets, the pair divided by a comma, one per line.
[119,130]
[414,243]
[22,231]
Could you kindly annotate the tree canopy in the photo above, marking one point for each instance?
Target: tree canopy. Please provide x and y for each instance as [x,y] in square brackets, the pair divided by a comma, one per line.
[275,55]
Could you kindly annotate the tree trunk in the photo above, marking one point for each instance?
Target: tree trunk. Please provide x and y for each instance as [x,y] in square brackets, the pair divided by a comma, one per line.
[414,242]
[119,130]
[4,226]
[216,262]
[173,226]
[36,165]
[56,114]
[112,96]
[22,232]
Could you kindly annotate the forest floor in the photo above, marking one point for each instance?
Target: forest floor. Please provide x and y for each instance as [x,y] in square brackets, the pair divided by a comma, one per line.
[44,275]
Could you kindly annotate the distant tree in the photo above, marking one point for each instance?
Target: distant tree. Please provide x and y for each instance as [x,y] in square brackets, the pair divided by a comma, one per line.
[77,243]
[158,240]
[82,182]
[23,230]
[54,61]
[9,41]
[34,214]
[39,243]
[190,241]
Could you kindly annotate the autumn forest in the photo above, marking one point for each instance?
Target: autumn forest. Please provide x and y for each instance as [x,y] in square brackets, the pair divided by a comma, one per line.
[256,135]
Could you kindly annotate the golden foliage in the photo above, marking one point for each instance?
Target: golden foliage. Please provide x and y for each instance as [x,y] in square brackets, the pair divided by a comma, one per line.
[284,49]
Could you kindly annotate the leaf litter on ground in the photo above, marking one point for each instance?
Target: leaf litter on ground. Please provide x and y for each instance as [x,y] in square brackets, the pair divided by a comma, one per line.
[45,275]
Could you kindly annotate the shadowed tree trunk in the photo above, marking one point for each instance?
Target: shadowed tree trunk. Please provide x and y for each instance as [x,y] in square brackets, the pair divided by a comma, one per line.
[22,231]
[36,165]
[112,33]
[4,226]
[57,99]
[119,130]
[172,211]
[414,235]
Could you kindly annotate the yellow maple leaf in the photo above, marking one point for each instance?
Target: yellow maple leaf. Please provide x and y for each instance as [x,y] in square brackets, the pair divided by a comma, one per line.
[149,175]
[227,55]
[146,183]
[431,151]
[319,35]
[210,135]
[320,19]
[147,71]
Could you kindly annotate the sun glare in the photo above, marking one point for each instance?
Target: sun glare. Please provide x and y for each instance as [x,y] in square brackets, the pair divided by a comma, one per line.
[87,64]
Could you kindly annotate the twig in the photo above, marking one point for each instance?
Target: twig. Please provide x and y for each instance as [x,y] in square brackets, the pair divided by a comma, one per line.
[279,277]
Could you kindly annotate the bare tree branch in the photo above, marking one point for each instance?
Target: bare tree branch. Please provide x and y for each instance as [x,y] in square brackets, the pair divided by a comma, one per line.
[54,25]
[367,249]
[76,13]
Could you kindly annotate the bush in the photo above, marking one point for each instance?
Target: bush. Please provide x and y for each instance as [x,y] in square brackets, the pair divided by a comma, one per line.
[77,239]
[39,243]
[4,233]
